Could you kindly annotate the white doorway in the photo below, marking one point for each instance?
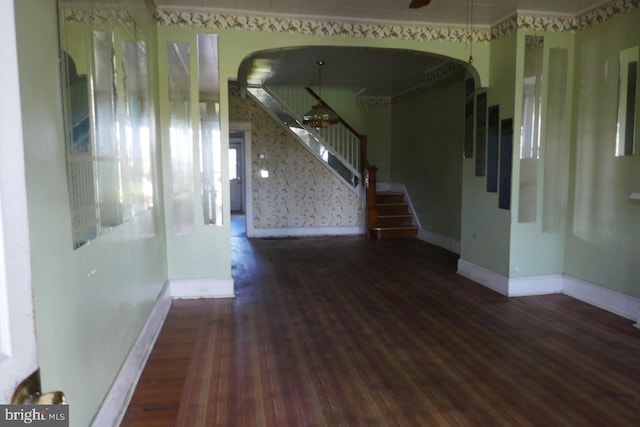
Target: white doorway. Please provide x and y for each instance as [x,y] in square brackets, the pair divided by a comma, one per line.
[241,219]
[236,172]
[17,325]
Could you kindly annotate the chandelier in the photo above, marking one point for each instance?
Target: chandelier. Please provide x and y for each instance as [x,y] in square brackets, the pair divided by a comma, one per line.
[320,115]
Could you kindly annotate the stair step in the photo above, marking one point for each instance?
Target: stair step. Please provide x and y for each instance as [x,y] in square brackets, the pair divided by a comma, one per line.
[392,208]
[389,197]
[385,221]
[380,233]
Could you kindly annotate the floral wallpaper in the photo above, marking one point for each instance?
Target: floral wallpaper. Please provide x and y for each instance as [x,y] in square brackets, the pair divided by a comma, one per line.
[300,191]
[395,32]
[320,27]
[113,15]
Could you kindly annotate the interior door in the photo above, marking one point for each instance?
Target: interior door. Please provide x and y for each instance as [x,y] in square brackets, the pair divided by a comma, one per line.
[17,326]
[236,162]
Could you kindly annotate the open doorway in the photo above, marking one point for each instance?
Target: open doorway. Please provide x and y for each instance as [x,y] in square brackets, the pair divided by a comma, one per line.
[239,178]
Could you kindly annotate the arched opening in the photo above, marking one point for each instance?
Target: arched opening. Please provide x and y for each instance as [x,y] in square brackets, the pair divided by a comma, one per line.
[411,106]
[367,71]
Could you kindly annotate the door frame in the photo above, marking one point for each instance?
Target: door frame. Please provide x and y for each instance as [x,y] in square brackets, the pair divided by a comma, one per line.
[241,174]
[18,355]
[247,187]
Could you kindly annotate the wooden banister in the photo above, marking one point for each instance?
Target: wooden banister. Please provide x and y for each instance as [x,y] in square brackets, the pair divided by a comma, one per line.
[370,180]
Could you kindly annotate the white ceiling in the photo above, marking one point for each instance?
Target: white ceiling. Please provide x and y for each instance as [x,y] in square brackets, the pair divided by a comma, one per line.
[367,71]
[439,12]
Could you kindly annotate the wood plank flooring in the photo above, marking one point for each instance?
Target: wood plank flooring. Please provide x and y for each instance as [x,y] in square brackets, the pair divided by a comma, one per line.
[354,332]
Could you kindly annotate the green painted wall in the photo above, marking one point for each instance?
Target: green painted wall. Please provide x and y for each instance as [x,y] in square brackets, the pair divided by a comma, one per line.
[485,229]
[426,154]
[90,303]
[536,251]
[204,253]
[378,128]
[603,226]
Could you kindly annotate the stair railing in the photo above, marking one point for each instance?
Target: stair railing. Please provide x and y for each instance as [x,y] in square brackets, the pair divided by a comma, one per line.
[367,171]
[343,139]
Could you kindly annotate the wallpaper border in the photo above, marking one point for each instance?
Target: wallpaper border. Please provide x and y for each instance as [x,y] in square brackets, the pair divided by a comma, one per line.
[319,27]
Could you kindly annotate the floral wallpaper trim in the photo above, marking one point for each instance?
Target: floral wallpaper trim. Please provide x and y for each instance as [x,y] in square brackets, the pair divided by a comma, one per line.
[560,24]
[98,16]
[605,12]
[531,42]
[396,32]
[320,27]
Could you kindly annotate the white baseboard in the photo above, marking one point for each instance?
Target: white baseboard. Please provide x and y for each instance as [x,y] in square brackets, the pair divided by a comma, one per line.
[439,240]
[117,399]
[305,231]
[201,288]
[606,299]
[535,285]
[484,277]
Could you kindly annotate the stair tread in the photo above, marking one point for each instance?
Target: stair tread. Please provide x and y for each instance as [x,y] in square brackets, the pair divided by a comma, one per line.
[396,216]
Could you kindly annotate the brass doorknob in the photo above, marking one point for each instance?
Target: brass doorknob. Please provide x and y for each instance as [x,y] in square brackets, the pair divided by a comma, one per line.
[29,392]
[51,398]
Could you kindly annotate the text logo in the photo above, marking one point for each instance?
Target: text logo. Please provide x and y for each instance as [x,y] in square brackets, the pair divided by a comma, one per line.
[34,415]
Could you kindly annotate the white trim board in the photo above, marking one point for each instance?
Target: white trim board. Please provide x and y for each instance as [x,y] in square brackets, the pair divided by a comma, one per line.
[487,278]
[305,231]
[607,299]
[117,399]
[604,298]
[201,288]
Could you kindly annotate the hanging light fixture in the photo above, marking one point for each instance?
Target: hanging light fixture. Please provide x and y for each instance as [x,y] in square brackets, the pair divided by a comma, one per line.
[320,116]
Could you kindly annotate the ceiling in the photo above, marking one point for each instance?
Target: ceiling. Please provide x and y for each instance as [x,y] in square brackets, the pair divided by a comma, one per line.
[367,71]
[371,72]
[439,12]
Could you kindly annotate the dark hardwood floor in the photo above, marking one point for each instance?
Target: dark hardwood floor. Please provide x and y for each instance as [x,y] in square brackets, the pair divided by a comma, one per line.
[354,332]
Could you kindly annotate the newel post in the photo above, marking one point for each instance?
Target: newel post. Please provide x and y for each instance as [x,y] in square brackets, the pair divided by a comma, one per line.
[369,172]
[372,213]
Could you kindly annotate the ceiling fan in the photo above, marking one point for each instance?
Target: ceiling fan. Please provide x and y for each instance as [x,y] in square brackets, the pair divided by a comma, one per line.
[416,4]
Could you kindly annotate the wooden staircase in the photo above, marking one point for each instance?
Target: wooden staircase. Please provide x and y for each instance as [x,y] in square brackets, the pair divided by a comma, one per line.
[393,219]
